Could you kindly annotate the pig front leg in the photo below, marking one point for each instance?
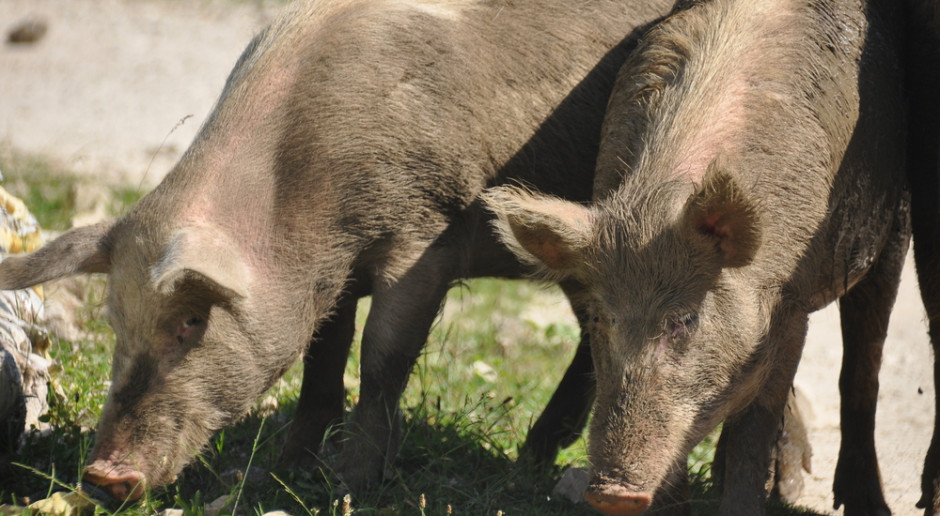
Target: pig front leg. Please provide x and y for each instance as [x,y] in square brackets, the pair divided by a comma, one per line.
[673,497]
[864,313]
[396,329]
[322,393]
[791,455]
[563,419]
[749,437]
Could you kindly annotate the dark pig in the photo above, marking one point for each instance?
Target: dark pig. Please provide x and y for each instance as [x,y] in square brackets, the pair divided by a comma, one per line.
[344,158]
[751,171]
[922,68]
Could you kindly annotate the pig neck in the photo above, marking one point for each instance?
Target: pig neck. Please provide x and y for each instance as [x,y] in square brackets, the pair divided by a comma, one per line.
[699,88]
[284,222]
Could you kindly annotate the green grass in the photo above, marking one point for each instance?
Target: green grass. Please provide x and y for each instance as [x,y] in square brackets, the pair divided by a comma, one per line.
[489,367]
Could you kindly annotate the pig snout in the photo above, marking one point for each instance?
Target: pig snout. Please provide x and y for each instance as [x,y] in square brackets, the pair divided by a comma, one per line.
[617,499]
[120,482]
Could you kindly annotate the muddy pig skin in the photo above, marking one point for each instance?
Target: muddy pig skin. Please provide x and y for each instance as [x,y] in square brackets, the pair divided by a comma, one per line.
[751,171]
[344,158]
[922,67]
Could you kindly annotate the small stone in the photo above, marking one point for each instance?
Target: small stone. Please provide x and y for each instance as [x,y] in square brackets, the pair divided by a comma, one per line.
[572,484]
[172,512]
[215,508]
[29,30]
[276,513]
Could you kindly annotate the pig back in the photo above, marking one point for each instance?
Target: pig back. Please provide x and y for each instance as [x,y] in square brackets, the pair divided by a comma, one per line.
[868,201]
[422,105]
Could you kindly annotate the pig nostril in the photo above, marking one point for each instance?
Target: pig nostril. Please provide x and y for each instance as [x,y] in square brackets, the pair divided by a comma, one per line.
[124,486]
[616,501]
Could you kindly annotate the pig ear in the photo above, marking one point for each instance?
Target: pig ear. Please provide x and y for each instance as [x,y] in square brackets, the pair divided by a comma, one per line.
[81,250]
[721,217]
[542,229]
[203,254]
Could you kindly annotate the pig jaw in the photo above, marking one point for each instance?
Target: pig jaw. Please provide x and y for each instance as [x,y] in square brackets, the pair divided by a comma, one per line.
[147,443]
[165,405]
[667,399]
[629,459]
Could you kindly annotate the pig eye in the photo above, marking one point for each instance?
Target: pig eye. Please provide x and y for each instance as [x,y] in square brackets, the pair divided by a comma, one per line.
[187,328]
[681,326]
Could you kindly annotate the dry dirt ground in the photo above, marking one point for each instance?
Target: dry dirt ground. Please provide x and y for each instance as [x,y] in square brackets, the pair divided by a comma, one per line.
[103,94]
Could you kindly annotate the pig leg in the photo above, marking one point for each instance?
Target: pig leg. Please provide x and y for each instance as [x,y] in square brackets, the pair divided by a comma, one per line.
[791,454]
[395,332]
[563,419]
[927,256]
[926,225]
[864,314]
[749,436]
[925,218]
[672,498]
[923,81]
[322,393]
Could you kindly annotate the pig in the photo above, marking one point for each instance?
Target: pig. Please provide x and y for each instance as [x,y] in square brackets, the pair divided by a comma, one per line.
[922,70]
[751,171]
[344,158]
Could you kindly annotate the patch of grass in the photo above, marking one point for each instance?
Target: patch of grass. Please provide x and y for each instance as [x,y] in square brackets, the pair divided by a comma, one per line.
[492,362]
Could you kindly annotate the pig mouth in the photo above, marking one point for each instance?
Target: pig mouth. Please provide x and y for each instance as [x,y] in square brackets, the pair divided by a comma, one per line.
[617,499]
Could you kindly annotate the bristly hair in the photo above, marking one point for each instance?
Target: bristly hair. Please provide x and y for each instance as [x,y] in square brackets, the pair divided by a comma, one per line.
[523,207]
[686,96]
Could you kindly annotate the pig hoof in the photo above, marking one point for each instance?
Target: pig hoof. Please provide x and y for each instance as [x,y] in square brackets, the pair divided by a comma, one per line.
[930,492]
[357,473]
[617,500]
[863,506]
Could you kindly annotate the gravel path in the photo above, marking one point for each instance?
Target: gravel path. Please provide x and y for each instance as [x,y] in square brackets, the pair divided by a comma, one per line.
[112,79]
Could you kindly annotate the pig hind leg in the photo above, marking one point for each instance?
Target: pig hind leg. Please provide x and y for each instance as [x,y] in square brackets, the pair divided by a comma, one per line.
[864,312]
[925,218]
[922,69]
[395,332]
[927,256]
[322,393]
[563,419]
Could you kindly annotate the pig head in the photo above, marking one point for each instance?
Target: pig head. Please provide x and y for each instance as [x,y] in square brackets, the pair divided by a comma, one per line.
[193,349]
[731,182]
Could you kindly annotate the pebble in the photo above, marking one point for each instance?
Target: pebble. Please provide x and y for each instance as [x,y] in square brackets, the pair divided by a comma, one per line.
[571,486]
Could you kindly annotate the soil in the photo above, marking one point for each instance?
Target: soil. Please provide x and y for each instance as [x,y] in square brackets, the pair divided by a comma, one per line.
[117,89]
